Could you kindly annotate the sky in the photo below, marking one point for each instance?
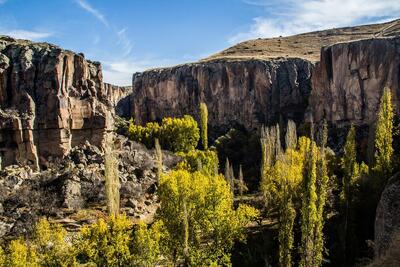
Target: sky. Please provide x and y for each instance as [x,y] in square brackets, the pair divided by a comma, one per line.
[129,36]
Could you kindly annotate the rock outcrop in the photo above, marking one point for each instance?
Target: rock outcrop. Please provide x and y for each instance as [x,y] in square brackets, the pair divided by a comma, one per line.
[349,80]
[246,93]
[387,223]
[50,101]
[119,98]
[71,190]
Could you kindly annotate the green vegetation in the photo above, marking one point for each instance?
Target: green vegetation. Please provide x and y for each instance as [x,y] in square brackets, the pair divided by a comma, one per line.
[197,211]
[175,134]
[384,138]
[306,191]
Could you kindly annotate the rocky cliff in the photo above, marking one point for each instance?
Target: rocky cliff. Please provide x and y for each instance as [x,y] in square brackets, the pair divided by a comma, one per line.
[247,93]
[387,223]
[344,87]
[350,78]
[50,101]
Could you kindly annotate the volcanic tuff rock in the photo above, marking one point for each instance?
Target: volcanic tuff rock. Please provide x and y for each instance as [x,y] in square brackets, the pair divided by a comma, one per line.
[244,93]
[50,101]
[349,80]
[71,190]
[387,222]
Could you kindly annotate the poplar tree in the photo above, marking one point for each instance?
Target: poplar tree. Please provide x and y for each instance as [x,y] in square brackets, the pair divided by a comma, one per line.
[291,135]
[384,137]
[204,124]
[242,186]
[309,212]
[159,160]
[321,189]
[111,179]
[350,169]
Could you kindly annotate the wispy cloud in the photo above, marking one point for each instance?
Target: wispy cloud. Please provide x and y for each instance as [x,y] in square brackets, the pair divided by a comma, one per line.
[290,17]
[2,1]
[24,34]
[124,41]
[96,13]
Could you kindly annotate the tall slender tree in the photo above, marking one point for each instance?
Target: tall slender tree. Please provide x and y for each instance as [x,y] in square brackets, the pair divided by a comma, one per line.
[321,189]
[159,159]
[291,135]
[309,212]
[350,169]
[204,124]
[384,137]
[111,178]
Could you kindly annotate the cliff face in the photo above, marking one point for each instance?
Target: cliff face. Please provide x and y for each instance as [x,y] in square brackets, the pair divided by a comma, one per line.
[350,78]
[246,93]
[344,87]
[118,97]
[50,101]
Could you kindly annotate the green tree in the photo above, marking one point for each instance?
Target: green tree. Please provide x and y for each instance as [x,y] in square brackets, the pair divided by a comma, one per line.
[197,212]
[105,243]
[174,134]
[20,254]
[3,258]
[204,125]
[146,245]
[322,192]
[207,160]
[309,212]
[50,245]
[384,137]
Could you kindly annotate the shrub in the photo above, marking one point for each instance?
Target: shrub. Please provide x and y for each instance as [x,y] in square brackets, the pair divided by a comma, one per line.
[198,160]
[175,134]
[50,245]
[105,243]
[198,208]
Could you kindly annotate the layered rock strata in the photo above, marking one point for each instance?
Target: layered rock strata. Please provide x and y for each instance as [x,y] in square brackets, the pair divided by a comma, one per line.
[50,101]
[247,93]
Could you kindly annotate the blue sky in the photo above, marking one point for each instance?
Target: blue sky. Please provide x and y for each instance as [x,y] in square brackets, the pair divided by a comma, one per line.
[133,35]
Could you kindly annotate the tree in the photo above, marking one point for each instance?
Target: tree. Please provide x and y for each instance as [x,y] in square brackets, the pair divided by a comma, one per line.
[384,137]
[174,134]
[105,243]
[321,190]
[204,122]
[50,245]
[159,159]
[351,174]
[112,180]
[20,254]
[146,245]
[291,135]
[309,212]
[241,184]
[198,215]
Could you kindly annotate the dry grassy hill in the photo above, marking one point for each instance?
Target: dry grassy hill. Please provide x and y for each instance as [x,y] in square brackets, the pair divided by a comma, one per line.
[306,45]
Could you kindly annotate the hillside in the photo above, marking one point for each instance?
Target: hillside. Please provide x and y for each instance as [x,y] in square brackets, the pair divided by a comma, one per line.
[306,45]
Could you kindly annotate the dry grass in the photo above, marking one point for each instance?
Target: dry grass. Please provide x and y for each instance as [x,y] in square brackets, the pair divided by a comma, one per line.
[307,45]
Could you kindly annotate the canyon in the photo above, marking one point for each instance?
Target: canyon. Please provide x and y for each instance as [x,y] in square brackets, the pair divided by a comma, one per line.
[53,100]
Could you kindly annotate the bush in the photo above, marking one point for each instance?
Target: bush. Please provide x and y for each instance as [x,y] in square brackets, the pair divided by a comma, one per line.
[175,134]
[50,245]
[198,160]
[105,243]
[197,208]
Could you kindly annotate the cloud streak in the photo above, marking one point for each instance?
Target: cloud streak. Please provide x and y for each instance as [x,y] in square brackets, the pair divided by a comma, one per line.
[290,17]
[24,34]
[96,13]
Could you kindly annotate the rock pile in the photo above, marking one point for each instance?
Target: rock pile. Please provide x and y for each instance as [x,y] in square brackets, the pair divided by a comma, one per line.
[71,190]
